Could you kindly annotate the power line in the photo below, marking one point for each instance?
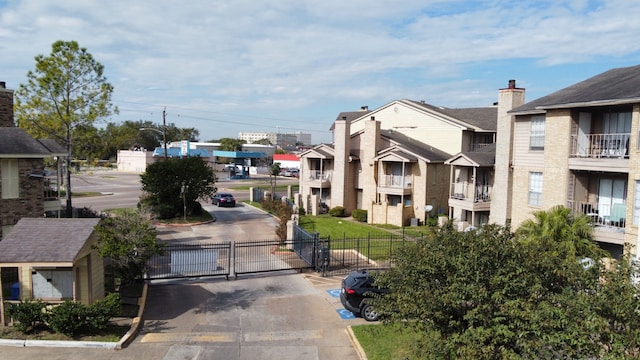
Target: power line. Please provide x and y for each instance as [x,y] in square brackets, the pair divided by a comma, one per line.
[227,121]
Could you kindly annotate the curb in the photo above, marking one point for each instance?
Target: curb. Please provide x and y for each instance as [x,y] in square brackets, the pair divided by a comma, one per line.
[356,344]
[136,322]
[60,344]
[128,337]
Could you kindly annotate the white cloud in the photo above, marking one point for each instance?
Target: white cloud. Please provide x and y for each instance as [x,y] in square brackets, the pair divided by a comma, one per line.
[294,60]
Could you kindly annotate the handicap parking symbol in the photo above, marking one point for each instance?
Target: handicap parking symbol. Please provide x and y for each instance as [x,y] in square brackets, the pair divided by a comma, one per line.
[334,293]
[345,314]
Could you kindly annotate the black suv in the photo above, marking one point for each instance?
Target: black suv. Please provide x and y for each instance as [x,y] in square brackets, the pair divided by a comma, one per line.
[357,291]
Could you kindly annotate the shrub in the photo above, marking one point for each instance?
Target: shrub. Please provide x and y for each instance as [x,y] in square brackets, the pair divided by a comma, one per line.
[337,211]
[69,318]
[101,312]
[29,314]
[359,215]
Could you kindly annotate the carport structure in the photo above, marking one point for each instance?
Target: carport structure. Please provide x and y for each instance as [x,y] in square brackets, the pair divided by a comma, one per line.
[241,159]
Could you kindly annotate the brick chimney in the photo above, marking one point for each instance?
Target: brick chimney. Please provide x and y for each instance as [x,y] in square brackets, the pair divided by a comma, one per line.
[508,99]
[6,106]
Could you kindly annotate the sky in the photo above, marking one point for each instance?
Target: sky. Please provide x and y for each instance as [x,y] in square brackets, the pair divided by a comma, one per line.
[225,67]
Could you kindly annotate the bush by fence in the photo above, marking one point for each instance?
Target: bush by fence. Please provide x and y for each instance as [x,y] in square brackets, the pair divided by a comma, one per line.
[359,215]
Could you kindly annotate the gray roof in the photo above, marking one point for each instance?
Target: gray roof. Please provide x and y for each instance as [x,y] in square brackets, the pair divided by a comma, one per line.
[484,118]
[46,240]
[616,86]
[483,157]
[15,141]
[349,116]
[425,150]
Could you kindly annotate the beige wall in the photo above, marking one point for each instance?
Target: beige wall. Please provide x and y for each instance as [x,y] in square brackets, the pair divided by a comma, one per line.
[553,163]
[429,128]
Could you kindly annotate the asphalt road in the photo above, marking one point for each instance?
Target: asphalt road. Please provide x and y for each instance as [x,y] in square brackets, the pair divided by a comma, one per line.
[123,189]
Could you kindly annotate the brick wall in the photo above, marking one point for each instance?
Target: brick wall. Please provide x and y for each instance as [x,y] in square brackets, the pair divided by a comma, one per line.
[30,202]
[6,106]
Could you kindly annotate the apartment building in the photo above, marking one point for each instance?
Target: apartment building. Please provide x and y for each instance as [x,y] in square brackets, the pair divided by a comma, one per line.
[23,183]
[478,174]
[391,161]
[576,147]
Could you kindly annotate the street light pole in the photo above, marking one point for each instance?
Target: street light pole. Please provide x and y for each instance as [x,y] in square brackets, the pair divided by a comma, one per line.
[164,131]
[164,136]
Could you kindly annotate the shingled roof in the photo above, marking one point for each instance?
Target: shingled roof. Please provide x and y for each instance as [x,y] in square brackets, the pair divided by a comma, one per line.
[616,86]
[482,118]
[425,150]
[15,142]
[34,240]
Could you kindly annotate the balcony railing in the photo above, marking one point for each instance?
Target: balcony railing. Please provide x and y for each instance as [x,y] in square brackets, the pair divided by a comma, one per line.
[396,181]
[320,175]
[606,215]
[479,146]
[464,190]
[600,145]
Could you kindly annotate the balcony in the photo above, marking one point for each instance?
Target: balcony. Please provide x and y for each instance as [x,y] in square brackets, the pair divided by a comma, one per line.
[470,196]
[609,220]
[598,146]
[395,184]
[317,179]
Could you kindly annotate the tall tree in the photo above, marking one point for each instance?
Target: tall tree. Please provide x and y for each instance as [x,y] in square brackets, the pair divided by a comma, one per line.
[66,92]
[175,185]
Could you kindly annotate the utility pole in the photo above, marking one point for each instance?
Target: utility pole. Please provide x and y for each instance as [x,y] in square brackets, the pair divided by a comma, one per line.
[164,131]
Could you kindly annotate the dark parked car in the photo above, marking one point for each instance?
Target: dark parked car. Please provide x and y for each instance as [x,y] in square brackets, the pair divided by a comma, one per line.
[357,290]
[223,199]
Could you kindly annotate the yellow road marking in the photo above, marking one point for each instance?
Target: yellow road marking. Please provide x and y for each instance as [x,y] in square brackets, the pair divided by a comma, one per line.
[188,337]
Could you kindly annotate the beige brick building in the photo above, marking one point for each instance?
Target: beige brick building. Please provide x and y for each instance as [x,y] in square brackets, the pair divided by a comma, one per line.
[577,147]
[391,161]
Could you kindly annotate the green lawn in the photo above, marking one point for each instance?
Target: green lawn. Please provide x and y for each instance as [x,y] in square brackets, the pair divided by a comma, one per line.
[338,228]
[382,342]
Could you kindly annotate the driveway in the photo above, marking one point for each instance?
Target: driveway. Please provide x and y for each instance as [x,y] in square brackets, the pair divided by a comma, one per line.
[282,315]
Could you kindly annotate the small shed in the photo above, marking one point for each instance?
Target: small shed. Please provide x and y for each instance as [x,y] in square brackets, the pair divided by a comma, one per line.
[53,260]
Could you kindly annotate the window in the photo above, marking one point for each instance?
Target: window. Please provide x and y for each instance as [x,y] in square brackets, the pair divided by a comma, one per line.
[536,141]
[636,204]
[611,199]
[535,188]
[10,181]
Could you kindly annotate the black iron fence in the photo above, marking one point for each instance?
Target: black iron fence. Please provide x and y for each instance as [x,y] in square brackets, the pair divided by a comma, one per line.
[329,256]
[340,256]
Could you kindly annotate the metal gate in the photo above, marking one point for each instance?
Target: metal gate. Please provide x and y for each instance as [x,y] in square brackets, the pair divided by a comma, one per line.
[233,258]
[191,260]
[305,251]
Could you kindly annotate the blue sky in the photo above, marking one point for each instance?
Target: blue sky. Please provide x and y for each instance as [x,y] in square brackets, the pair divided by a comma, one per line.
[289,65]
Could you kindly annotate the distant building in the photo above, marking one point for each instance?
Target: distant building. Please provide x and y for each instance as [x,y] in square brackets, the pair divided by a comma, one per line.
[280,139]
[289,161]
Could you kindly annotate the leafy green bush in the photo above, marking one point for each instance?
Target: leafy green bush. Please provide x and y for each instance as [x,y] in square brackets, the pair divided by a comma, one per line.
[101,312]
[29,314]
[359,215]
[282,211]
[337,211]
[69,318]
[73,318]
